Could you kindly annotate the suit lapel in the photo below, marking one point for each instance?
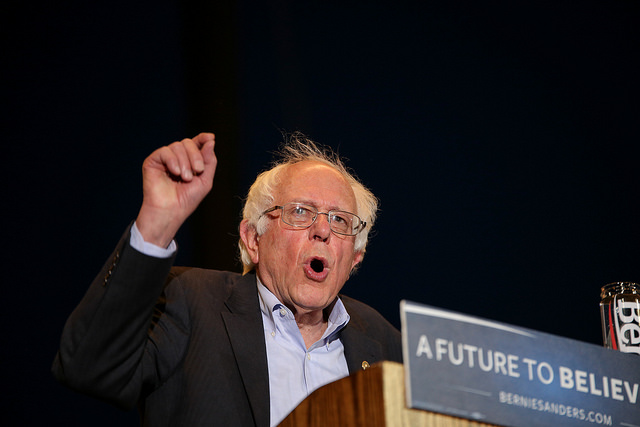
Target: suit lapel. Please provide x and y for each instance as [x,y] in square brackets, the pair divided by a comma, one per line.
[358,346]
[245,330]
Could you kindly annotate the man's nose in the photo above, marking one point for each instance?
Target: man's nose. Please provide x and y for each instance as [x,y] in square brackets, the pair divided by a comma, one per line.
[320,229]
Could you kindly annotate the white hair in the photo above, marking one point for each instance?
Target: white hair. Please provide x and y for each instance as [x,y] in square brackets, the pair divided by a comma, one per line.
[298,148]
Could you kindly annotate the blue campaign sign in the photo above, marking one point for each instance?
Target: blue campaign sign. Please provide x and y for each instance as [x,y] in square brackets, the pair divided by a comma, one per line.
[496,373]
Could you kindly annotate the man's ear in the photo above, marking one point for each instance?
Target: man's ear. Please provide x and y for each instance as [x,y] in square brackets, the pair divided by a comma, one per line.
[357,259]
[251,240]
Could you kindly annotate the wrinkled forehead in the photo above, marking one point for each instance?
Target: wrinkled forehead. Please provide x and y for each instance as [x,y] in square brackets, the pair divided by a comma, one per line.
[309,181]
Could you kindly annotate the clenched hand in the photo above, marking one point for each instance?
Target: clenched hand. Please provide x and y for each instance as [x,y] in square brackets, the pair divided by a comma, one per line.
[175,179]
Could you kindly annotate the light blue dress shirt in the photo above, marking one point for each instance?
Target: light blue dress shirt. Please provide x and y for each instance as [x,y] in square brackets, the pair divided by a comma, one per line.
[294,370]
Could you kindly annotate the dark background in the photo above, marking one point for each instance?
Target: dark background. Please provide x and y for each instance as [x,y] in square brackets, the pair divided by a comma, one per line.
[501,137]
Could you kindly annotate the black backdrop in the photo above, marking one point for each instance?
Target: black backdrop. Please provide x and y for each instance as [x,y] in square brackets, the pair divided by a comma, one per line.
[501,138]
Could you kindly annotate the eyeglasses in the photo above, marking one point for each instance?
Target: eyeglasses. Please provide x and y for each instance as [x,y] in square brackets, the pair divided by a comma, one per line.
[302,216]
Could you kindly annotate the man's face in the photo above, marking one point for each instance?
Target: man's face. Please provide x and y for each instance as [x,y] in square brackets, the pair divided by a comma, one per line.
[285,254]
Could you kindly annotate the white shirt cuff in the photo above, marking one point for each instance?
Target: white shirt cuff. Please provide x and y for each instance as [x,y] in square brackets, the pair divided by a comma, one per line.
[137,242]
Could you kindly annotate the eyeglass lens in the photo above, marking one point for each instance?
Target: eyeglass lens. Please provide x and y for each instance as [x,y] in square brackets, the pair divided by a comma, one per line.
[303,216]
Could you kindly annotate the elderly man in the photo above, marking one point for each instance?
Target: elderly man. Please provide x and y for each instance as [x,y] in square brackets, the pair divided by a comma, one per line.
[201,347]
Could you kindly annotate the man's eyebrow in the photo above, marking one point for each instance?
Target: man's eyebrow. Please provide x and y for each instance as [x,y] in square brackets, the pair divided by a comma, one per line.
[305,202]
[315,205]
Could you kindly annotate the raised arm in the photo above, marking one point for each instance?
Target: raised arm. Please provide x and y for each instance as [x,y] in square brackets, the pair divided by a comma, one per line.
[111,345]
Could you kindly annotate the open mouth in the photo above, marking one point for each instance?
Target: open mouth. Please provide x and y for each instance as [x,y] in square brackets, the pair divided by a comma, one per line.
[316,265]
[316,269]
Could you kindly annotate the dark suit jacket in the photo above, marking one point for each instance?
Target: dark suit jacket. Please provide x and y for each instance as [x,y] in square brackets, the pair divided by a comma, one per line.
[194,356]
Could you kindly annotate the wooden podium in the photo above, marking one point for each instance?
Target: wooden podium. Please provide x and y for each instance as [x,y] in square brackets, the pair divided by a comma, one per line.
[371,398]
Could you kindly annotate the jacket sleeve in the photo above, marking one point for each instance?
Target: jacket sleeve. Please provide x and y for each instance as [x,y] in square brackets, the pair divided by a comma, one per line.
[111,344]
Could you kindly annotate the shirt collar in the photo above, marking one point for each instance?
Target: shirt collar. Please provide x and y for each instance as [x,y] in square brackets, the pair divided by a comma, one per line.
[338,318]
